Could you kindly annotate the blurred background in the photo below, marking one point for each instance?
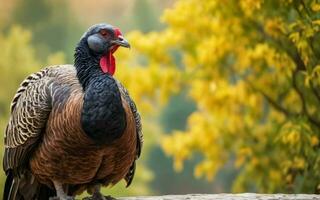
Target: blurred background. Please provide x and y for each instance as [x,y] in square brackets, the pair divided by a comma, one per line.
[228,90]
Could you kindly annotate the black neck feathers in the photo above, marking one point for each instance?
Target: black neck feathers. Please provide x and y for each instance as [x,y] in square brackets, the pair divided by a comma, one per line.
[103,117]
[86,63]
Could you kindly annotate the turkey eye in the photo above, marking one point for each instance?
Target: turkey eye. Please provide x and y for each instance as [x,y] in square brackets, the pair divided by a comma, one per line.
[104,32]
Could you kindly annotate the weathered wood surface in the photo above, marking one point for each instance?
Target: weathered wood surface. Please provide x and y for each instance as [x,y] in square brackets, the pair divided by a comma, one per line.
[243,196]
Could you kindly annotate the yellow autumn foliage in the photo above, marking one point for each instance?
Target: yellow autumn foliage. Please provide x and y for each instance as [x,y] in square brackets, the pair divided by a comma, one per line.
[252,68]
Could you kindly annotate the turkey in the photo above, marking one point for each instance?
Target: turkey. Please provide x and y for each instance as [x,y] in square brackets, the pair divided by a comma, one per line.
[73,127]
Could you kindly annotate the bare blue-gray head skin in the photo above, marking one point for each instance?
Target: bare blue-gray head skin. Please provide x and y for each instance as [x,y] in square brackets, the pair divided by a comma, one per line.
[94,52]
[104,37]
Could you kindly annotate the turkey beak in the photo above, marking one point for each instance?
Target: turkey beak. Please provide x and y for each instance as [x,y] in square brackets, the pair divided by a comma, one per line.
[121,41]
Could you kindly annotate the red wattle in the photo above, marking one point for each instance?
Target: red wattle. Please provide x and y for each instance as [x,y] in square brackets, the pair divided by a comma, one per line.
[103,64]
[108,63]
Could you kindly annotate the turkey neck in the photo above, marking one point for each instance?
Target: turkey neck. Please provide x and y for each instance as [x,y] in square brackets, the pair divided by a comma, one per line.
[103,117]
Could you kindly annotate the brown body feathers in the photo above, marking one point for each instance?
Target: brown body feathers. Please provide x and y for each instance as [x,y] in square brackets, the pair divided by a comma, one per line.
[45,141]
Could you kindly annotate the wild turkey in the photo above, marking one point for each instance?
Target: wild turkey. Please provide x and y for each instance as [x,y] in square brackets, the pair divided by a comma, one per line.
[73,128]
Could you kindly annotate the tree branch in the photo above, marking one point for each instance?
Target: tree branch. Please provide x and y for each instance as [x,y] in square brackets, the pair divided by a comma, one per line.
[300,94]
[283,44]
[315,92]
[271,101]
[304,109]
